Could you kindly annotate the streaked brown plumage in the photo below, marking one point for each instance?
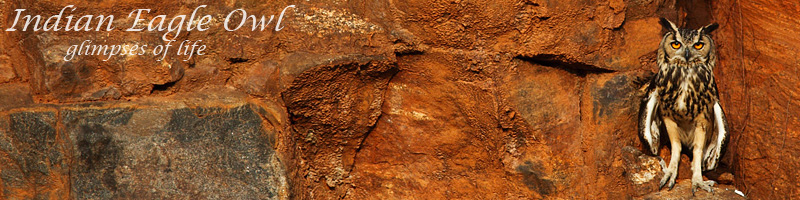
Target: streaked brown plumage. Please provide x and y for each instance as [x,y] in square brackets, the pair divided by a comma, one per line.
[682,99]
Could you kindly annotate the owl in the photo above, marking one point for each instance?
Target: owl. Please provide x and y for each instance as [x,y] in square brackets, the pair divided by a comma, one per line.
[682,99]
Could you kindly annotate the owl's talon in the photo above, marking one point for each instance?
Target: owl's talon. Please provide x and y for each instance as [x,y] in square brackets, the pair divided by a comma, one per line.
[672,184]
[705,185]
[668,179]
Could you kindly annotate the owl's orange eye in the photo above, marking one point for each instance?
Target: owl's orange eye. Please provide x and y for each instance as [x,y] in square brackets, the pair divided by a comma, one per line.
[675,45]
[698,45]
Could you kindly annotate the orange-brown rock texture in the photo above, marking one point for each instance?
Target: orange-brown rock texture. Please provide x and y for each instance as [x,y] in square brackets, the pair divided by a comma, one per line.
[416,99]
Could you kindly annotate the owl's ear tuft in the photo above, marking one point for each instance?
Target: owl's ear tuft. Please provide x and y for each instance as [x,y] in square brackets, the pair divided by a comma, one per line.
[708,29]
[668,24]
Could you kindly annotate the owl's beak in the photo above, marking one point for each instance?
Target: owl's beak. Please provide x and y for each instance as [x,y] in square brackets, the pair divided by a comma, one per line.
[686,55]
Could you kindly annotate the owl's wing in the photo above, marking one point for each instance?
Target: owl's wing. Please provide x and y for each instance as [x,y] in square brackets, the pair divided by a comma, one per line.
[719,138]
[649,122]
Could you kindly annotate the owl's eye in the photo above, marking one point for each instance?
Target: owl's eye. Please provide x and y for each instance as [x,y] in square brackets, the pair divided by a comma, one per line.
[675,45]
[698,45]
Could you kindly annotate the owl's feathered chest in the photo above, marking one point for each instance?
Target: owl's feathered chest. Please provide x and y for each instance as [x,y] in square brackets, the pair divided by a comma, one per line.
[685,91]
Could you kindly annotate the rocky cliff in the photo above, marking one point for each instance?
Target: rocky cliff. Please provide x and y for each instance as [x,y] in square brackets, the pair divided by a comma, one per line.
[388,100]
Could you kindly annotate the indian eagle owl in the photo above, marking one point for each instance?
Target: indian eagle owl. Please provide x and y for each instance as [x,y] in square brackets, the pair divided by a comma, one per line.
[682,99]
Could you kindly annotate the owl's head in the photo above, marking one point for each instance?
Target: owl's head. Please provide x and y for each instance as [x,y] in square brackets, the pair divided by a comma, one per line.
[681,45]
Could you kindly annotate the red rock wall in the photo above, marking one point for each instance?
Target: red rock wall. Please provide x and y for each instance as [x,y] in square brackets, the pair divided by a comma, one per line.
[410,99]
[760,66]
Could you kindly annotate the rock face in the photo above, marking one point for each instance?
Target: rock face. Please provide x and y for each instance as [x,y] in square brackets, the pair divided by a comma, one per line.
[679,192]
[148,150]
[388,100]
[761,82]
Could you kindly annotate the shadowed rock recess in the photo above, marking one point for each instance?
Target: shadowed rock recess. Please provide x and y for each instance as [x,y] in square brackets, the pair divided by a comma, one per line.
[417,99]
